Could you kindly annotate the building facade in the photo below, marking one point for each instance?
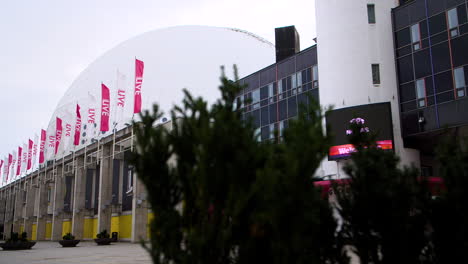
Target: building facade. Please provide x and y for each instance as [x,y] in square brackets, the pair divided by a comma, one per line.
[92,190]
[411,55]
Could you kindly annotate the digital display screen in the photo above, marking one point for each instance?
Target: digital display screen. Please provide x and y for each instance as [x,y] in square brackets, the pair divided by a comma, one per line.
[377,117]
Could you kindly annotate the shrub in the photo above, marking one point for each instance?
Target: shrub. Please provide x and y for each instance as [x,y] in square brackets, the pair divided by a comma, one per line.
[68,236]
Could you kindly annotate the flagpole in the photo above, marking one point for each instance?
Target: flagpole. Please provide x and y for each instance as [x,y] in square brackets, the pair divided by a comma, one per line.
[134,80]
[85,157]
[113,143]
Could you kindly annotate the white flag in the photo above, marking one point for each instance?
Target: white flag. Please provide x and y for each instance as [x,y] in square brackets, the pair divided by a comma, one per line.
[65,146]
[120,99]
[13,168]
[49,148]
[2,162]
[24,160]
[34,152]
[90,128]
[5,165]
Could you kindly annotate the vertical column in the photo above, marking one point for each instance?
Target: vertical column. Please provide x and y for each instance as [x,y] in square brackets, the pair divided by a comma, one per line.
[79,198]
[18,214]
[42,206]
[29,211]
[8,213]
[57,212]
[105,190]
[2,210]
[139,210]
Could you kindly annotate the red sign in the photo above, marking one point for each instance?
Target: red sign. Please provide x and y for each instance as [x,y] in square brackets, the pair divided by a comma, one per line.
[58,134]
[343,151]
[42,146]
[139,66]
[1,165]
[105,108]
[18,170]
[76,140]
[30,148]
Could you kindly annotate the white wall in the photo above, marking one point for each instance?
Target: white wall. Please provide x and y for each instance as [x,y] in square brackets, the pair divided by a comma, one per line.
[347,46]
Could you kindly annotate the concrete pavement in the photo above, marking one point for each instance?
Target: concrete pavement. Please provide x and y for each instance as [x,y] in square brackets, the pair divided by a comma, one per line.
[46,252]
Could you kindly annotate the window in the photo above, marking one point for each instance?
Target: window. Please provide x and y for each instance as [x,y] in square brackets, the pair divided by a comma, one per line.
[293,81]
[421,92]
[130,179]
[299,78]
[282,126]
[256,99]
[315,76]
[49,195]
[375,74]
[460,83]
[280,89]
[258,134]
[272,131]
[234,104]
[371,13]
[415,36]
[453,22]
[271,92]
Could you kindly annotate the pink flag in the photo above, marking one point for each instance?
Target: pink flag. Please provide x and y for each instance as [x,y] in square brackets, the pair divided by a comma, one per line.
[30,148]
[139,66]
[10,159]
[105,108]
[58,133]
[20,151]
[1,171]
[42,146]
[76,140]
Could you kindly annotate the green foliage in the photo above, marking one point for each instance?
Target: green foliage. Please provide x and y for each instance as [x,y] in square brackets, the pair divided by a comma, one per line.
[450,210]
[103,234]
[24,236]
[384,208]
[15,237]
[220,196]
[68,236]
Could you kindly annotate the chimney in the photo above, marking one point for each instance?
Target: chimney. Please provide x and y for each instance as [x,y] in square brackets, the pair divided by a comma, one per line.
[286,42]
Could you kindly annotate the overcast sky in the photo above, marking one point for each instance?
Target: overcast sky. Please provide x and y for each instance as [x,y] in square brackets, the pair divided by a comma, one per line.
[46,44]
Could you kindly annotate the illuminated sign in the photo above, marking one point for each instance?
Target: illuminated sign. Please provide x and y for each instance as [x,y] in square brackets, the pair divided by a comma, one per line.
[375,118]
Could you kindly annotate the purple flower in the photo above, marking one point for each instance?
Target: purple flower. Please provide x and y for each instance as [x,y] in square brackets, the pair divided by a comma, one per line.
[364,129]
[357,120]
[360,121]
[349,132]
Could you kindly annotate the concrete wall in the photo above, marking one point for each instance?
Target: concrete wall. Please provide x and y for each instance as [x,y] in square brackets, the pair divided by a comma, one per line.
[35,203]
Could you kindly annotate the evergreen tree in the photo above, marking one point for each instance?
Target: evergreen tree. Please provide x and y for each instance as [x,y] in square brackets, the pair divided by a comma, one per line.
[450,209]
[221,196]
[384,208]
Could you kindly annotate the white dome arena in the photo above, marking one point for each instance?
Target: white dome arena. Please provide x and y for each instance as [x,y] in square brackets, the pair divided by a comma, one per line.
[174,58]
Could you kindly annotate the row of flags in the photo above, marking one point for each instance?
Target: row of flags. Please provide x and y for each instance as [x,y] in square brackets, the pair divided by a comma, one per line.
[64,136]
